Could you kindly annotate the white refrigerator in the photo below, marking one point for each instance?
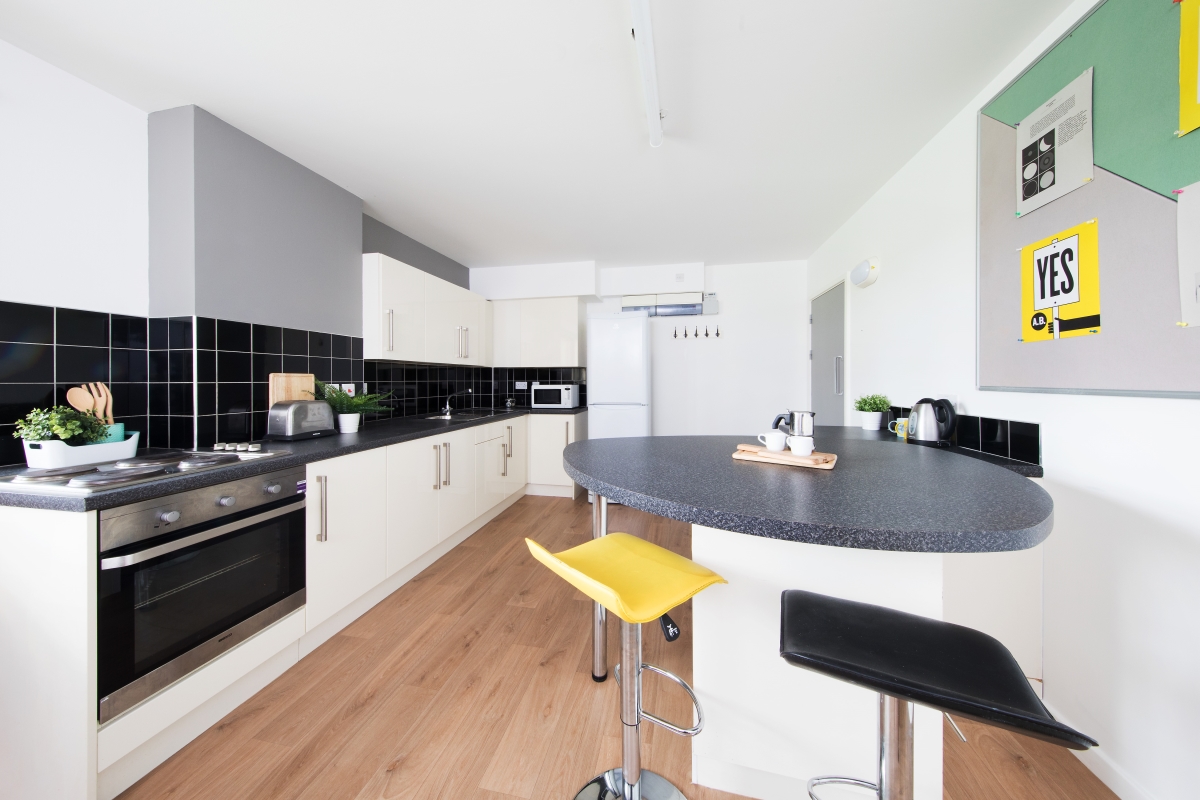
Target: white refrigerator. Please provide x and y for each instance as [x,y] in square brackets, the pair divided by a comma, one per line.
[618,376]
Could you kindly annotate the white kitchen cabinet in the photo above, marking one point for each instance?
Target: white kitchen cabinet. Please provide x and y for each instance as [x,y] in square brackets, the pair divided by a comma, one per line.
[491,467]
[454,324]
[412,501]
[516,439]
[549,434]
[456,492]
[542,332]
[393,309]
[346,536]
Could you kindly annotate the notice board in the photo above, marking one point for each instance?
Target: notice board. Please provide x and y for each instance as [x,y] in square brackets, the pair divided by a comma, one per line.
[1083,294]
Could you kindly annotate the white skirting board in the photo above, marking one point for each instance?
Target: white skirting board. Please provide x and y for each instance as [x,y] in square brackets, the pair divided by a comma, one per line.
[144,737]
[552,490]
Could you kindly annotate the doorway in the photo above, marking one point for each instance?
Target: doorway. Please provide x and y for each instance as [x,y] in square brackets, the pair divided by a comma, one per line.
[827,363]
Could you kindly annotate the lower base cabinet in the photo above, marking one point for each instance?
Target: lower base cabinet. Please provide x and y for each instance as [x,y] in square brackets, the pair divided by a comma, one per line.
[549,434]
[491,469]
[516,436]
[345,540]
[456,495]
[412,501]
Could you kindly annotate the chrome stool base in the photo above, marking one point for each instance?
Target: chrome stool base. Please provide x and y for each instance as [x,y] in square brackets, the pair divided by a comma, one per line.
[610,786]
[813,783]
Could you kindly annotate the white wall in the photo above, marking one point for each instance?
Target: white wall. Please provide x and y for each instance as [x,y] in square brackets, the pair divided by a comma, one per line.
[572,279]
[657,279]
[73,191]
[737,383]
[1121,630]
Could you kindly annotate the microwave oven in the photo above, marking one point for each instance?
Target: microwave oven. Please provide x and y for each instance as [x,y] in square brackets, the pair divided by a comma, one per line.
[558,395]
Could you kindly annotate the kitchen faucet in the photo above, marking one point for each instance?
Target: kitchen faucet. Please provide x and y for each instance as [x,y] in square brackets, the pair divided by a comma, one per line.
[447,408]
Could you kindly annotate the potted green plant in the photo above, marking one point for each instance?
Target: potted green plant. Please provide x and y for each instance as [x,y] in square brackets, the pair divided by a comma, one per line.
[63,437]
[872,407]
[349,407]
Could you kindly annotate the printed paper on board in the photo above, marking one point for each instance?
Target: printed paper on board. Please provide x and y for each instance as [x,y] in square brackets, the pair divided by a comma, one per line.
[1060,285]
[1054,146]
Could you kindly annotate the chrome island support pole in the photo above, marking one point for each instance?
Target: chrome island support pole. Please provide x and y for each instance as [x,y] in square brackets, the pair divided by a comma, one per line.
[599,615]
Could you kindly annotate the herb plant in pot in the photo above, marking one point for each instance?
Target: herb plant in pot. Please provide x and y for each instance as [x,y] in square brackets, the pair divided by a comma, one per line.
[349,407]
[64,437]
[872,407]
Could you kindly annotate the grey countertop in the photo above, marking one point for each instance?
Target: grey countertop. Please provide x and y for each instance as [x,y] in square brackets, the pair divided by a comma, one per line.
[882,495]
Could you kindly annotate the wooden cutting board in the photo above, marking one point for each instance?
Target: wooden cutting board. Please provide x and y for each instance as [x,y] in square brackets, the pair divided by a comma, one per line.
[284,386]
[756,452]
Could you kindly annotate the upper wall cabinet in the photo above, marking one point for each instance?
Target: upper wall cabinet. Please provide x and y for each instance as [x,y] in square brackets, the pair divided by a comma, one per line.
[409,315]
[545,332]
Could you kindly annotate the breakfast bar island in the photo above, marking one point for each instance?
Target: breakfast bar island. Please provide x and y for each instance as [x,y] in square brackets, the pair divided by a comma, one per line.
[873,529]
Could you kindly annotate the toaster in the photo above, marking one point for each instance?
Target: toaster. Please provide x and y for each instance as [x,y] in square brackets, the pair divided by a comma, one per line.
[299,419]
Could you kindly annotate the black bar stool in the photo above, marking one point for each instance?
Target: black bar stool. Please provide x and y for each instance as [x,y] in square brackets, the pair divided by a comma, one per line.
[911,659]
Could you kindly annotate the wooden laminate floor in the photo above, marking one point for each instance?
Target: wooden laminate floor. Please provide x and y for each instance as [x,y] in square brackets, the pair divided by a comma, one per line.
[474,681]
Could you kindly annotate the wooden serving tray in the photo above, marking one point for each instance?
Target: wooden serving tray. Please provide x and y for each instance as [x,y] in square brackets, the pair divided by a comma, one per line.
[756,452]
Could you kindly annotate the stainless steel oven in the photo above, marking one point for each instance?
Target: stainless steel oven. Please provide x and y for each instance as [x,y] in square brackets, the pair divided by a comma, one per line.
[186,577]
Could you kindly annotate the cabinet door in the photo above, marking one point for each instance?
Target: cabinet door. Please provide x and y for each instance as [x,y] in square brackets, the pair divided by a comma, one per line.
[550,332]
[491,466]
[412,501]
[506,333]
[549,434]
[346,519]
[403,311]
[456,497]
[516,439]
[450,314]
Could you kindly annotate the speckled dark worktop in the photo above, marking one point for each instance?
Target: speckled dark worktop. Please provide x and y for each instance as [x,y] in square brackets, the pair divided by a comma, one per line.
[882,495]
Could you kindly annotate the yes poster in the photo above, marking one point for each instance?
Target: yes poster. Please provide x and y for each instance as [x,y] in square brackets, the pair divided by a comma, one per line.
[1054,146]
[1060,285]
[1189,66]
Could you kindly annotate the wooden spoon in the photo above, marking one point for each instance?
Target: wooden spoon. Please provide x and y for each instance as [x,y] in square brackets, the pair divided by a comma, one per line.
[108,404]
[79,399]
[97,401]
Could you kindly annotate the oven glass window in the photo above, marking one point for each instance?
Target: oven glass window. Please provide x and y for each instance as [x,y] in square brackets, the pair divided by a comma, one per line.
[549,397]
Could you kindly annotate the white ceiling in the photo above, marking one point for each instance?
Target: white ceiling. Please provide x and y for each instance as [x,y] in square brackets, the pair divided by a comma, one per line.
[514,133]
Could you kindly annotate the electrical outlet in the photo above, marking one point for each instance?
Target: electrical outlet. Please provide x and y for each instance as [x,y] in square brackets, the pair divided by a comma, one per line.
[348,388]
[679,277]
[522,384]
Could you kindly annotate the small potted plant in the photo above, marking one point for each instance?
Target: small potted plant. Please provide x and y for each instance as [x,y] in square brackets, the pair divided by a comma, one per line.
[64,437]
[872,407]
[349,407]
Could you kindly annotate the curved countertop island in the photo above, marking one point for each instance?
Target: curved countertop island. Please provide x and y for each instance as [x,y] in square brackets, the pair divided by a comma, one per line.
[881,495]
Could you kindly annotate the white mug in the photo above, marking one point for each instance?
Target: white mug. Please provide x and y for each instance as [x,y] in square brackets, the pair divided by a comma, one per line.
[774,441]
[801,445]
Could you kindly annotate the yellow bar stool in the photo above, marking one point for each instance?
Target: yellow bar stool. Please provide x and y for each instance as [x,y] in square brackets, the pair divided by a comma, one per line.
[639,582]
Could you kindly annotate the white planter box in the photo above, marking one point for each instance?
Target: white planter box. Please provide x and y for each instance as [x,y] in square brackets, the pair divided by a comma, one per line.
[55,453]
[872,420]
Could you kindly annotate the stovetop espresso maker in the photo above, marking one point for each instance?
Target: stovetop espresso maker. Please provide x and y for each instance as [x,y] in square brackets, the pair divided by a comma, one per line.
[796,423]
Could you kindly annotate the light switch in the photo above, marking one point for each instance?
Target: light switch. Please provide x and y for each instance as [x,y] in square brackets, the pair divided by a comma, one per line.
[522,384]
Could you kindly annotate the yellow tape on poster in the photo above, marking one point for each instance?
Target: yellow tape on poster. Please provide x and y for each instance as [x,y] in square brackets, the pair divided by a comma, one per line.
[1060,285]
[1189,66]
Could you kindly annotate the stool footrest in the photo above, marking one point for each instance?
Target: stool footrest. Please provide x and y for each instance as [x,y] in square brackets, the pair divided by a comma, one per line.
[822,780]
[693,730]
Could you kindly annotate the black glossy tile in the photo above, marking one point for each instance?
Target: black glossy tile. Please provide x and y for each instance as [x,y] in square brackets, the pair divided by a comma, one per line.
[233,398]
[159,333]
[340,346]
[258,425]
[182,432]
[369,372]
[356,347]
[128,366]
[206,366]
[80,364]
[206,333]
[233,427]
[295,343]
[160,432]
[233,335]
[138,424]
[18,399]
[342,370]
[295,364]
[356,370]
[260,400]
[321,368]
[206,432]
[320,344]
[206,398]
[130,399]
[233,367]
[82,328]
[179,333]
[160,402]
[1024,442]
[968,432]
[179,366]
[12,451]
[26,363]
[20,322]
[268,339]
[264,364]
[128,332]
[181,399]
[993,435]
[160,366]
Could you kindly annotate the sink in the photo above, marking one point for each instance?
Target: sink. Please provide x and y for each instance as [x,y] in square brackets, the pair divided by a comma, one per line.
[464,415]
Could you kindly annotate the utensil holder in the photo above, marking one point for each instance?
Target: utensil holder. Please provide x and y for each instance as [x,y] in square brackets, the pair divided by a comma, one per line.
[54,453]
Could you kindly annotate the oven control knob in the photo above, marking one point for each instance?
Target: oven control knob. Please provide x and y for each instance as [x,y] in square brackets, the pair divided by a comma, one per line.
[273,488]
[227,501]
[168,516]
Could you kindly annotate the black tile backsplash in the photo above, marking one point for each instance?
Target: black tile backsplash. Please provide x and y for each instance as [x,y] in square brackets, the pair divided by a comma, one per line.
[128,332]
[84,328]
[179,333]
[1020,441]
[267,339]
[993,436]
[968,432]
[1025,442]
[233,336]
[206,333]
[295,343]
[320,344]
[25,323]
[26,363]
[80,364]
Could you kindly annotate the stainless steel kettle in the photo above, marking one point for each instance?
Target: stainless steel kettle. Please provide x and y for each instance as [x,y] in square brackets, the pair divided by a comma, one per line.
[932,422]
[796,423]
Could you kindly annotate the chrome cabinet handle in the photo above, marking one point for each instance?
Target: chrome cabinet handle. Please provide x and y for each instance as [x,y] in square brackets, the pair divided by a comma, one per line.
[567,439]
[446,450]
[459,329]
[503,461]
[837,374]
[323,530]
[508,453]
[437,465]
[391,330]
[466,342]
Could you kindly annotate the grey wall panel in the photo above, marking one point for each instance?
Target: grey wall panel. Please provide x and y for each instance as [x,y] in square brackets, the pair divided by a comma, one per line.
[380,238]
[172,212]
[275,242]
[1140,348]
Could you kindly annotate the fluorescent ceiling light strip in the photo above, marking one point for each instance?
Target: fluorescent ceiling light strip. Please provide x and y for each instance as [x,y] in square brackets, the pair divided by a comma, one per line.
[643,35]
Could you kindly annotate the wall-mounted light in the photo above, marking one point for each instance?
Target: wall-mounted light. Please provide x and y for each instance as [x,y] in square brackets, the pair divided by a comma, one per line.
[865,273]
[643,39]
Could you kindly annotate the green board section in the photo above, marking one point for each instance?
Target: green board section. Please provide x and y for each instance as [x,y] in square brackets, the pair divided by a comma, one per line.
[1134,47]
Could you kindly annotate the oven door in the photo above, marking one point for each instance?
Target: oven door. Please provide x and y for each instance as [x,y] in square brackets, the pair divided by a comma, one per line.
[169,605]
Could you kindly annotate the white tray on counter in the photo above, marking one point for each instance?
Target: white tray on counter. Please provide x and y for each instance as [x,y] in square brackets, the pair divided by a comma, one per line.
[55,453]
